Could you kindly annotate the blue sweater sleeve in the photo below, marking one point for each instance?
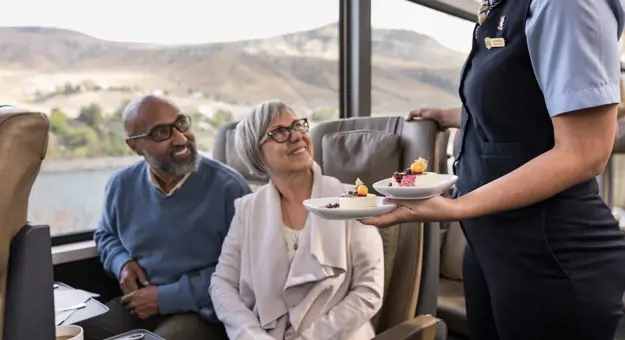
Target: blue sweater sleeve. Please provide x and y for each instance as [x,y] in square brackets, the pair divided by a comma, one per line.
[112,253]
[190,292]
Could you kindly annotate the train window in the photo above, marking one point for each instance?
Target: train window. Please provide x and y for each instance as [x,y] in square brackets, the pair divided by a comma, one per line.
[417,55]
[80,62]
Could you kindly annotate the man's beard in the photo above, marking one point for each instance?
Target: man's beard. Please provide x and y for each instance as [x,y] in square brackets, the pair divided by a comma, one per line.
[175,167]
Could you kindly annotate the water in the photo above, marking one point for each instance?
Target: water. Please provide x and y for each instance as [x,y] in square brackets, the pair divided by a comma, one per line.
[68,201]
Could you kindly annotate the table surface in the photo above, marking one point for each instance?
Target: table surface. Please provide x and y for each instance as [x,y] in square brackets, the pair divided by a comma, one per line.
[92,309]
[139,334]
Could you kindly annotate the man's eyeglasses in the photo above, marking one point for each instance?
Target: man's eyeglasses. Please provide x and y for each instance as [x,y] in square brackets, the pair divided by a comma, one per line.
[282,134]
[163,132]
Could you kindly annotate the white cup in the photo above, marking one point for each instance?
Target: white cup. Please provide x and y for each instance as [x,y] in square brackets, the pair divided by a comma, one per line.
[69,332]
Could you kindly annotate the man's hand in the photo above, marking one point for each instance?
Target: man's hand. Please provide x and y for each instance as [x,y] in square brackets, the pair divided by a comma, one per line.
[130,274]
[143,302]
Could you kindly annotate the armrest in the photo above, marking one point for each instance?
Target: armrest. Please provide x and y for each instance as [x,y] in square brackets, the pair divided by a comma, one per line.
[423,327]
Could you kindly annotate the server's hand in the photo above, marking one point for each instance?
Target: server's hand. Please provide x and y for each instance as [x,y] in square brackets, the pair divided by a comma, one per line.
[445,118]
[435,209]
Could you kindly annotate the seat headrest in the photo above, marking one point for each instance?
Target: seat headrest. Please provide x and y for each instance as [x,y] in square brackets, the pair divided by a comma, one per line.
[23,145]
[365,154]
[28,127]
[224,151]
[442,142]
[372,148]
[457,140]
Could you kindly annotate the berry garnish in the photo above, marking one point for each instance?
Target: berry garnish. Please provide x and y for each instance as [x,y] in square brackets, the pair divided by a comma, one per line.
[348,194]
[398,176]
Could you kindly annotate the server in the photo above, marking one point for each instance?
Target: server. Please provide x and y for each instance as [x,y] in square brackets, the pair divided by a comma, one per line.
[545,258]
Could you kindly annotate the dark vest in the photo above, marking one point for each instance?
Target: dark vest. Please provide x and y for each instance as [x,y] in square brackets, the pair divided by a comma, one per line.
[505,122]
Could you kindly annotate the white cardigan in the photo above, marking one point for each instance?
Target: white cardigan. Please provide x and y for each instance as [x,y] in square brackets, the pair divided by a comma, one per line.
[332,289]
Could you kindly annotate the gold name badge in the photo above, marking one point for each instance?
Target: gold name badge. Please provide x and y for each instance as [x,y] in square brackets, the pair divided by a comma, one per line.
[494,42]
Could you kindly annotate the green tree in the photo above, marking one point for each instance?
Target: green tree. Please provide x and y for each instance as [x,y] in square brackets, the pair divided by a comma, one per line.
[83,142]
[324,114]
[81,136]
[117,147]
[92,116]
[117,115]
[220,118]
[59,123]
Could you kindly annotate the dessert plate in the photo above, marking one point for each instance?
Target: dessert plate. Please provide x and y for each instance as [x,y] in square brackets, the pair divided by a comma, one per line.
[416,193]
[317,206]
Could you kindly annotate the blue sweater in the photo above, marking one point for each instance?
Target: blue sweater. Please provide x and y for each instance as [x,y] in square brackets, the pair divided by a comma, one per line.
[176,239]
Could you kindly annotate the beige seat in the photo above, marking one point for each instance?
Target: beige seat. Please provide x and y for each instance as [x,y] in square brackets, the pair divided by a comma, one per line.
[372,149]
[451,301]
[23,143]
[224,151]
[442,139]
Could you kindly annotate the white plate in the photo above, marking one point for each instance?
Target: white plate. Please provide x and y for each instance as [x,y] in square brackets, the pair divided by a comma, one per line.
[317,207]
[416,193]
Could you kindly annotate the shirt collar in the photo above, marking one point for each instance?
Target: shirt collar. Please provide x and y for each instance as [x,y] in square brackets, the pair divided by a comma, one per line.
[152,178]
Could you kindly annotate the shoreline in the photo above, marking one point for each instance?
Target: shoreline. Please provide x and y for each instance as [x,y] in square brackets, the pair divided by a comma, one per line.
[49,166]
[86,164]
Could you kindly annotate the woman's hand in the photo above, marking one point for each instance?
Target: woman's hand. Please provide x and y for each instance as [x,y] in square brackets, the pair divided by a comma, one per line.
[435,209]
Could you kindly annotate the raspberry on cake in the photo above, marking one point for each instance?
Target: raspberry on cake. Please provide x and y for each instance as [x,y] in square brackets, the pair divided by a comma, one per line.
[358,198]
[415,175]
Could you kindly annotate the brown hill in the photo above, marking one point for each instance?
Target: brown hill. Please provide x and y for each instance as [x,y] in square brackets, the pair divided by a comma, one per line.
[301,68]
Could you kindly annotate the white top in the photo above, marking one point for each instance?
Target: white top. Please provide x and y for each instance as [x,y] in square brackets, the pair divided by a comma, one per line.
[291,237]
[333,287]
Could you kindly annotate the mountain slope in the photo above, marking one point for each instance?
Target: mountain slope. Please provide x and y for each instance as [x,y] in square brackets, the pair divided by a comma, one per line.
[301,68]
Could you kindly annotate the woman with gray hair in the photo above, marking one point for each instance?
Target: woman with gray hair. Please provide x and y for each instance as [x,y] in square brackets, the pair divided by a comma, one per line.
[282,273]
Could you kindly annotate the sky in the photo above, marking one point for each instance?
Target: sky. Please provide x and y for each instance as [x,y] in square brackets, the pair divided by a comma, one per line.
[203,21]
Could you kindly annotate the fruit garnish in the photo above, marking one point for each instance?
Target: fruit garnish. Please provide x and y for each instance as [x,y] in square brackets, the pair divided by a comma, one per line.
[361,188]
[419,166]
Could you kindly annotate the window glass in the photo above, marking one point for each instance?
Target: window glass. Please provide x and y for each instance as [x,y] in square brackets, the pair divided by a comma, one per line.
[417,55]
[81,61]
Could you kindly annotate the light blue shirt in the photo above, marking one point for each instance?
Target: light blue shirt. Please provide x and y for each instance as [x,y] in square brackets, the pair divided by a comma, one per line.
[573,45]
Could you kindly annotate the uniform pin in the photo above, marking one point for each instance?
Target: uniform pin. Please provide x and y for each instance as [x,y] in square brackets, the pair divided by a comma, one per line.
[494,42]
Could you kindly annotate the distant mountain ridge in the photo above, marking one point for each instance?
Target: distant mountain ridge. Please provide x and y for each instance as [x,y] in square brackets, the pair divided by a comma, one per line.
[301,68]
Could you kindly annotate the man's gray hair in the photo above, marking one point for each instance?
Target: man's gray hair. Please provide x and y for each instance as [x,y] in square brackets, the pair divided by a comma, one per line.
[251,131]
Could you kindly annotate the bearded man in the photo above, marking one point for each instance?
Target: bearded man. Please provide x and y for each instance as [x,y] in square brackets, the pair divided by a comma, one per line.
[162,228]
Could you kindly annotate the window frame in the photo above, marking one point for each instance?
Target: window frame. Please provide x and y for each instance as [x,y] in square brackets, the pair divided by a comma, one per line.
[72,237]
[354,93]
[462,9]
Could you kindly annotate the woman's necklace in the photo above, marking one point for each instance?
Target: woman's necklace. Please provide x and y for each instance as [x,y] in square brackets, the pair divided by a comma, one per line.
[296,244]
[291,239]
[293,233]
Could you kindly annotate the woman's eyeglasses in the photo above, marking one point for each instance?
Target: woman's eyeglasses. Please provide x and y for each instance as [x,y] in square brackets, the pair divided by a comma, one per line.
[163,132]
[282,134]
